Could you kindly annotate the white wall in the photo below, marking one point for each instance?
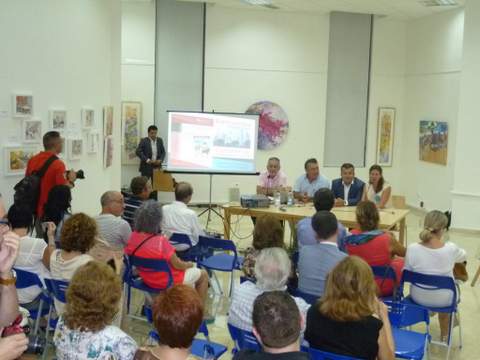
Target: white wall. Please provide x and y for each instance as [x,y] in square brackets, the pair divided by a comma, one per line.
[67,54]
[138,65]
[433,69]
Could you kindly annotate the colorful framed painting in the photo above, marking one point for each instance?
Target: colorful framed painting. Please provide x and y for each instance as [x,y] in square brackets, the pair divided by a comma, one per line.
[385,133]
[131,127]
[16,159]
[58,119]
[108,151]
[433,142]
[32,131]
[107,120]
[22,105]
[88,118]
[75,149]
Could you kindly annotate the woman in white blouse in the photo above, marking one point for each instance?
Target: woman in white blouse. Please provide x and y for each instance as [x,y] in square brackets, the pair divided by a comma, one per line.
[432,256]
[378,191]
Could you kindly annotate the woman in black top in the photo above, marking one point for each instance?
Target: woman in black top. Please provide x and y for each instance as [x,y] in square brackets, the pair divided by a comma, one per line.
[349,319]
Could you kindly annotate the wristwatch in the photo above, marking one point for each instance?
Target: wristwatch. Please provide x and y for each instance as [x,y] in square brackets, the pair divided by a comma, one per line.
[10,281]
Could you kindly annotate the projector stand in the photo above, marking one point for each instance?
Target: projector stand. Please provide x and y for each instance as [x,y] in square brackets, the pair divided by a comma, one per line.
[210,207]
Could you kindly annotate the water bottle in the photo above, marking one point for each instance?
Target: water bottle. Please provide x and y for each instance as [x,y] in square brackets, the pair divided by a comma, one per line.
[290,199]
[277,199]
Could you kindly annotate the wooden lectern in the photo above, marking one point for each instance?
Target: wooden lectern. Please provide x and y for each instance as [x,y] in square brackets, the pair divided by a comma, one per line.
[162,181]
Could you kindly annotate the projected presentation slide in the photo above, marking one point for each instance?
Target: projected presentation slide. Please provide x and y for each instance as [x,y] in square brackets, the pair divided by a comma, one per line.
[212,142]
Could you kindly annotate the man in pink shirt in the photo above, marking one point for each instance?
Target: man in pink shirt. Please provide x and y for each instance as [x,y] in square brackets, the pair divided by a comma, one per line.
[273,179]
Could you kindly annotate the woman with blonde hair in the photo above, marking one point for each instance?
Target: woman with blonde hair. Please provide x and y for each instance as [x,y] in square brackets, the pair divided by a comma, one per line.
[349,319]
[85,330]
[433,256]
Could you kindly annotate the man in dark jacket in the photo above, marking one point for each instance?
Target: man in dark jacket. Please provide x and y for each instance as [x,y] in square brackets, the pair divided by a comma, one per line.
[151,152]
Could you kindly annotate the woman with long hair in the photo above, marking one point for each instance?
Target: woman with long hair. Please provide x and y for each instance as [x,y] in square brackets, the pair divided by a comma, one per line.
[378,190]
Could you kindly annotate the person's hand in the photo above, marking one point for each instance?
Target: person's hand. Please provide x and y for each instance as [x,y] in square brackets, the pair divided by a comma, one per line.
[339,202]
[3,230]
[8,253]
[158,162]
[71,175]
[305,197]
[51,227]
[13,346]
[382,309]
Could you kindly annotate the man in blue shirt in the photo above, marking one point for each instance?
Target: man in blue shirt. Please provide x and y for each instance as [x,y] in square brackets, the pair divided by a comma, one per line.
[316,261]
[323,200]
[348,190]
[311,181]
[141,189]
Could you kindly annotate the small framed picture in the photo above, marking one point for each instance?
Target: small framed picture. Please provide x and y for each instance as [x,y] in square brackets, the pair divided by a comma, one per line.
[63,153]
[32,131]
[75,149]
[22,105]
[93,139]
[16,159]
[108,151]
[58,120]
[385,132]
[88,118]
[107,120]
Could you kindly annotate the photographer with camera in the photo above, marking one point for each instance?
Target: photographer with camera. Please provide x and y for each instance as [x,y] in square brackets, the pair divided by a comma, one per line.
[11,347]
[51,171]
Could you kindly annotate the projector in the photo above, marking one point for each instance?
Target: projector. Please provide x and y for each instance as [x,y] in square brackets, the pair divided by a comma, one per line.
[254,201]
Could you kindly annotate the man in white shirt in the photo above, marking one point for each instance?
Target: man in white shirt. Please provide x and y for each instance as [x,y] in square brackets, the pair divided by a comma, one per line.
[178,218]
[111,227]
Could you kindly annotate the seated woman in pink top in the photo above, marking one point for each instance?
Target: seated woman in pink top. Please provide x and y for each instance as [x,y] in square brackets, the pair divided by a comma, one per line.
[376,247]
[147,241]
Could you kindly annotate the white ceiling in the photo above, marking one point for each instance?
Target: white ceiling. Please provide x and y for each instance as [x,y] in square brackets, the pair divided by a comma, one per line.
[402,9]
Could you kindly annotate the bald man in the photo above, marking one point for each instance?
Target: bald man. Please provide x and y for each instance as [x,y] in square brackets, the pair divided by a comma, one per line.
[178,218]
[111,227]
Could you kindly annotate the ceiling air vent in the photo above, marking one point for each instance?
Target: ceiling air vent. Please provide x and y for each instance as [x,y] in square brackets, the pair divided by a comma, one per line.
[263,3]
[431,3]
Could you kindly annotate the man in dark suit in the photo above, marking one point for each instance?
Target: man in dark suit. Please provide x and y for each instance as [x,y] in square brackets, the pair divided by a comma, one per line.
[348,190]
[151,152]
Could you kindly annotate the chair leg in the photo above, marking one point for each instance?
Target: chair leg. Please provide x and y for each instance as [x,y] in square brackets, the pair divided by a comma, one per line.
[217,282]
[460,338]
[231,284]
[37,320]
[475,278]
[449,337]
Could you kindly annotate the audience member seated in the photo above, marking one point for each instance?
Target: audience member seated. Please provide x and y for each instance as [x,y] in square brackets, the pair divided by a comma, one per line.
[308,183]
[376,247]
[85,331]
[148,242]
[349,319]
[348,190]
[78,237]
[378,191]
[276,325]
[178,218]
[273,179]
[272,270]
[433,256]
[177,315]
[57,208]
[316,261]
[141,189]
[33,255]
[111,227]
[323,200]
[267,233]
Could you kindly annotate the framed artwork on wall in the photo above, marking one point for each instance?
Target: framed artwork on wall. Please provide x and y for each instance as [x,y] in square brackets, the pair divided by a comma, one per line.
[433,142]
[32,131]
[63,154]
[22,105]
[16,159]
[108,151]
[58,120]
[93,139]
[107,120]
[88,118]
[131,128]
[385,132]
[75,149]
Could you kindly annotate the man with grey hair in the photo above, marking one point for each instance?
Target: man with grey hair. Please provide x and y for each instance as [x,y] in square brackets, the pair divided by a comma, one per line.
[272,270]
[111,227]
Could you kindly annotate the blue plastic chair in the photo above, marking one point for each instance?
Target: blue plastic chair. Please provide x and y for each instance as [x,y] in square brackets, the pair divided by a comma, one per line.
[26,279]
[309,298]
[134,281]
[386,273]
[434,282]
[194,253]
[57,290]
[243,339]
[221,261]
[316,354]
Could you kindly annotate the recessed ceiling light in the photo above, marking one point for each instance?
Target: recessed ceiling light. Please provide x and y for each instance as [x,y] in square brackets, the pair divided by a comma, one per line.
[259,2]
[439,2]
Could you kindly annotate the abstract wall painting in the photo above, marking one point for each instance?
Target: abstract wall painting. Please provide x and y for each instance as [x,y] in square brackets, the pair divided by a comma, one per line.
[32,131]
[433,142]
[107,120]
[131,128]
[58,120]
[385,132]
[16,159]
[22,105]
[273,124]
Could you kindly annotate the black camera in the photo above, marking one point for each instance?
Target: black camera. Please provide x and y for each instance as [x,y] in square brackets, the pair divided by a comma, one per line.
[80,174]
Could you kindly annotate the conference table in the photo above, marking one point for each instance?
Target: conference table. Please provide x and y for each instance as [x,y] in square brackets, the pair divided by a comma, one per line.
[389,218]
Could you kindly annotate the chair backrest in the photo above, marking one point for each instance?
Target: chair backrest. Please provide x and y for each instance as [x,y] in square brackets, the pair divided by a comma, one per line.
[309,298]
[218,244]
[57,288]
[243,339]
[385,273]
[430,282]
[149,265]
[399,202]
[26,279]
[178,238]
[316,354]
[402,314]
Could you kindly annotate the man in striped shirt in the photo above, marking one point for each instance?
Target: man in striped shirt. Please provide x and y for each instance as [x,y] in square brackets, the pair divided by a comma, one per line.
[141,189]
